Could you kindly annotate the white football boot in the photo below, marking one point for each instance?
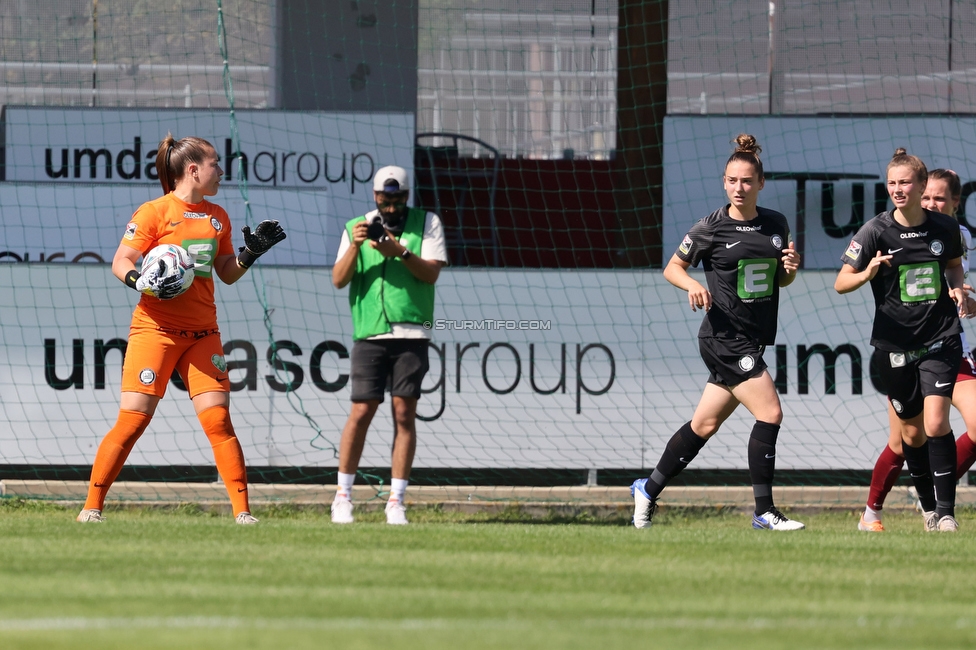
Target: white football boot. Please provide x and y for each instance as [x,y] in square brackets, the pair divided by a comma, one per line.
[773,519]
[644,506]
[90,516]
[948,524]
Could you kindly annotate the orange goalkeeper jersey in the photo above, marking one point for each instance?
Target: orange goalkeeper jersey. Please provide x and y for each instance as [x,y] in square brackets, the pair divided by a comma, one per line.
[203,229]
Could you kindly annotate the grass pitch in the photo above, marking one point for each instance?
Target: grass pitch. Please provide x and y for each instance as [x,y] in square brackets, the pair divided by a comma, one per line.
[186,579]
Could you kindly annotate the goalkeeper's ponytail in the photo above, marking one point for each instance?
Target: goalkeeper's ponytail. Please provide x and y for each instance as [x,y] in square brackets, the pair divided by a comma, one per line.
[172,157]
[163,161]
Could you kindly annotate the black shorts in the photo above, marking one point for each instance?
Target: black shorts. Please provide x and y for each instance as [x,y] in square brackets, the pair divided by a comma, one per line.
[380,364]
[910,376]
[731,361]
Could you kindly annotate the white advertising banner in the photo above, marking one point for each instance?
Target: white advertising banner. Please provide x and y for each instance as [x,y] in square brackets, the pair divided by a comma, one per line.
[826,174]
[530,369]
[56,159]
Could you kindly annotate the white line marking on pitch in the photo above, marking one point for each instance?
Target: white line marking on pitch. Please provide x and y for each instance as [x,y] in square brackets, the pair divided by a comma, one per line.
[221,622]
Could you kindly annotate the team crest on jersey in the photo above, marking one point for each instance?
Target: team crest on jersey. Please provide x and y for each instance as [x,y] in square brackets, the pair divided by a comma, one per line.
[216,224]
[747,363]
[685,246]
[219,362]
[895,404]
[777,242]
[147,377]
[936,247]
[195,215]
[854,250]
[130,230]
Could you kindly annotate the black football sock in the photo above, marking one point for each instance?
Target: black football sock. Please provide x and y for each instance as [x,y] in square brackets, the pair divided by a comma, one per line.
[680,450]
[917,459]
[942,457]
[762,463]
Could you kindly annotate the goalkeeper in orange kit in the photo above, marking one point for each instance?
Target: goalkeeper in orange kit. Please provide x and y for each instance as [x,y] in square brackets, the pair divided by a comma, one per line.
[178,331]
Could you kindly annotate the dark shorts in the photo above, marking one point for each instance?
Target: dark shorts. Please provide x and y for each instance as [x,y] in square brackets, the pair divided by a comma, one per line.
[911,376]
[731,361]
[395,364]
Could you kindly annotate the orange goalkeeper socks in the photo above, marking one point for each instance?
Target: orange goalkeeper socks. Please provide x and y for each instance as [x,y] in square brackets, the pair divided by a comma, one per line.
[111,455]
[228,455]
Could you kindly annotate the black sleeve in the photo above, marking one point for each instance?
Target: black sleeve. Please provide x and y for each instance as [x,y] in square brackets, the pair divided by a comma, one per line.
[696,244]
[862,248]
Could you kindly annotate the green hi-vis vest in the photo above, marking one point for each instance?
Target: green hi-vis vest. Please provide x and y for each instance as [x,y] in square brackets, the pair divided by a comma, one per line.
[383,290]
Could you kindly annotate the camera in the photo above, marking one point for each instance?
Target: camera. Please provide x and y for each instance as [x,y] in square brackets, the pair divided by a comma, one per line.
[375,229]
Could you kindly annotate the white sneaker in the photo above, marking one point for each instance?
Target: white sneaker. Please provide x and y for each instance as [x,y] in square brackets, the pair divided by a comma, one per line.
[246,518]
[773,519]
[90,516]
[931,521]
[342,511]
[948,524]
[396,513]
[644,507]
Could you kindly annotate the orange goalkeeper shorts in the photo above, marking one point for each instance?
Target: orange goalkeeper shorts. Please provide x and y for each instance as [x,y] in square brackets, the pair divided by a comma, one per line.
[153,354]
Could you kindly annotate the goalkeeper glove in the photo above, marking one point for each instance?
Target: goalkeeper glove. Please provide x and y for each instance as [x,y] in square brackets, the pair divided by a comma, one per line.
[267,234]
[154,283]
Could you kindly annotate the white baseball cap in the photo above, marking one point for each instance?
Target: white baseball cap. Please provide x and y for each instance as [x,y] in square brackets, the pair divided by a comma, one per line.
[391,179]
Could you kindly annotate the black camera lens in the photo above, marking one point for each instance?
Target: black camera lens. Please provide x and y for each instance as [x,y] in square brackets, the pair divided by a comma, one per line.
[375,230]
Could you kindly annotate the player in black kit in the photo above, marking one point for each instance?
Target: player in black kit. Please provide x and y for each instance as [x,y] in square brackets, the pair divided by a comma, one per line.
[913,259]
[747,253]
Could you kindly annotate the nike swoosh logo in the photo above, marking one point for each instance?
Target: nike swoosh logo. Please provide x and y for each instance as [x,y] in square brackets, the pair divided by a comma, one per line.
[768,456]
[221,378]
[940,384]
[100,485]
[733,244]
[176,223]
[242,489]
[942,473]
[682,460]
[892,252]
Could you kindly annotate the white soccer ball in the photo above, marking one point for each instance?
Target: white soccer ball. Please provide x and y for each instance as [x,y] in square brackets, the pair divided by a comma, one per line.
[176,260]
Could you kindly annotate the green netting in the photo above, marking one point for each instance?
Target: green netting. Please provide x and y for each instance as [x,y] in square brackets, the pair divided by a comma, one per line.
[567,146]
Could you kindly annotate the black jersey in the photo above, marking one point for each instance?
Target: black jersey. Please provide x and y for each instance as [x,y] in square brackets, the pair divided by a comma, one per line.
[741,261]
[911,297]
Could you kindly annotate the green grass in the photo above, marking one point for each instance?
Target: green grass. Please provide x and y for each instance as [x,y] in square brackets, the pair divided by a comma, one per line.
[187,579]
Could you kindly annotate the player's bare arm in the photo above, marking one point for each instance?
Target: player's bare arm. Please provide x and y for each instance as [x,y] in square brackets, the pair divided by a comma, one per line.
[791,263]
[955,277]
[227,269]
[849,279]
[677,274]
[124,261]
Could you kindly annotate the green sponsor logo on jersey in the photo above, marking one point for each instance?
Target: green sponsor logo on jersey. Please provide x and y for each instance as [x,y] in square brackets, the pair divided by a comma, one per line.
[919,282]
[202,253]
[756,278]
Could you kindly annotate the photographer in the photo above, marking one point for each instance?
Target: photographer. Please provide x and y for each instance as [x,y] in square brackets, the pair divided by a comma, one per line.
[391,295]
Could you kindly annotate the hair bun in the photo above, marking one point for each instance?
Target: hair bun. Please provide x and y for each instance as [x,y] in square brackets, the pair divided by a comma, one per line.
[900,151]
[745,143]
